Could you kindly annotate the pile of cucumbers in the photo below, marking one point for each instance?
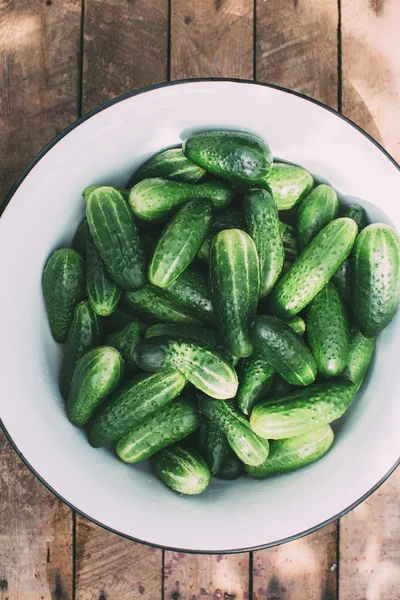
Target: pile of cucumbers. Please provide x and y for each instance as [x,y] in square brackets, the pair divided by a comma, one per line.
[220,313]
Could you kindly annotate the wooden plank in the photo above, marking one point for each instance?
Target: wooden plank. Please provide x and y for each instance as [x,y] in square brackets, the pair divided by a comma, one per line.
[35,535]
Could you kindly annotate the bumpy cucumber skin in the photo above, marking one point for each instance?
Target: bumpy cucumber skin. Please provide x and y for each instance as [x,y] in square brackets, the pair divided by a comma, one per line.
[182,470]
[169,164]
[154,200]
[317,209]
[262,222]
[190,291]
[358,214]
[63,285]
[297,324]
[152,305]
[232,155]
[328,331]
[186,332]
[302,410]
[246,445]
[228,219]
[180,242]
[255,379]
[125,341]
[375,278]
[102,291]
[116,238]
[294,453]
[167,425]
[342,279]
[135,401]
[96,375]
[80,238]
[118,320]
[284,350]
[91,188]
[288,184]
[213,444]
[359,359]
[235,286]
[315,266]
[85,333]
[232,468]
[288,233]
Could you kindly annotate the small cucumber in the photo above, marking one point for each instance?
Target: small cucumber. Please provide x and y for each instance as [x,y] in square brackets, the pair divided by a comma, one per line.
[154,200]
[255,379]
[91,188]
[80,238]
[375,278]
[359,359]
[186,332]
[232,155]
[213,444]
[102,291]
[63,284]
[125,341]
[297,324]
[182,470]
[116,238]
[280,387]
[328,331]
[235,286]
[317,209]
[167,425]
[302,411]
[118,320]
[330,247]
[227,219]
[205,248]
[247,446]
[358,214]
[289,239]
[136,400]
[190,291]
[232,468]
[85,333]
[204,367]
[288,184]
[342,278]
[152,305]
[180,242]
[169,164]
[284,350]
[263,225]
[294,453]
[96,375]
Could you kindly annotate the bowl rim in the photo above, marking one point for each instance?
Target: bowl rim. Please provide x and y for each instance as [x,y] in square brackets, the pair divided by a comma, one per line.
[8,199]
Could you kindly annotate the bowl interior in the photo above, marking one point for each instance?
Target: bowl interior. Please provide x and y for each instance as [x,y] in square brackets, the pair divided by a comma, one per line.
[44,214]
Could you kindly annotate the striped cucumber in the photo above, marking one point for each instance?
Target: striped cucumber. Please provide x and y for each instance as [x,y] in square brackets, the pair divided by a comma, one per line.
[183,470]
[169,164]
[186,332]
[359,358]
[288,184]
[152,305]
[317,209]
[190,291]
[342,279]
[358,214]
[125,341]
[102,291]
[255,379]
[297,324]
[227,219]
[91,188]
[289,238]
[213,444]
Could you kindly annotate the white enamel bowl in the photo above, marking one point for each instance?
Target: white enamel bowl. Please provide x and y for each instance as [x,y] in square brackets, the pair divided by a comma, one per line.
[44,209]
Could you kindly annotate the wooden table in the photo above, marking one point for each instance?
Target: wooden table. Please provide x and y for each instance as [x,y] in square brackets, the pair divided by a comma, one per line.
[60,58]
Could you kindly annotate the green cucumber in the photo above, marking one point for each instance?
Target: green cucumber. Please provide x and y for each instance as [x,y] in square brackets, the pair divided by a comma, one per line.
[169,164]
[186,332]
[102,291]
[255,379]
[235,286]
[154,200]
[118,320]
[342,277]
[302,411]
[232,155]
[96,375]
[358,214]
[280,387]
[263,225]
[169,424]
[231,468]
[288,184]
[85,333]
[317,209]
[297,324]
[375,278]
[228,219]
[116,238]
[288,233]
[148,239]
[80,238]
[182,470]
[284,350]
[359,359]
[328,331]
[205,248]
[125,341]
[204,367]
[312,270]
[91,188]
[63,285]
[213,444]
[190,291]
[135,401]
[180,242]
[152,305]
[294,453]
[247,446]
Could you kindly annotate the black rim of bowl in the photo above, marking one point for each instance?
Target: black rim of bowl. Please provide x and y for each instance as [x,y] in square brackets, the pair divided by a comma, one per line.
[8,199]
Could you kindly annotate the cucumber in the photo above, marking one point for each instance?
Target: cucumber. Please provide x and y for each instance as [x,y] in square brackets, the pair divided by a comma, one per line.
[342,277]
[228,219]
[359,359]
[155,199]
[204,367]
[63,285]
[288,184]
[167,425]
[235,286]
[91,188]
[152,305]
[125,341]
[297,324]
[116,238]
[302,411]
[135,401]
[169,164]
[232,468]
[80,238]
[102,291]
[284,350]
[247,446]
[182,470]
[289,239]
[328,331]
[317,209]
[375,278]
[294,453]
[148,240]
[186,332]
[96,375]
[280,387]
[190,291]
[180,242]
[213,444]
[205,248]
[330,247]
[232,155]
[255,379]
[262,222]
[358,214]
[118,320]
[85,333]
